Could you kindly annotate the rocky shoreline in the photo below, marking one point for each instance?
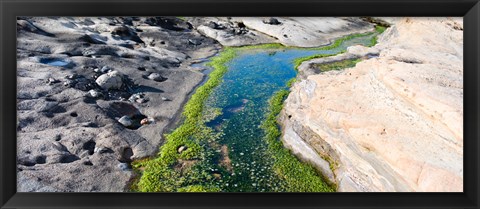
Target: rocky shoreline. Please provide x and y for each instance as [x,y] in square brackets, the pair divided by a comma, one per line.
[95,94]
[394,122]
[119,84]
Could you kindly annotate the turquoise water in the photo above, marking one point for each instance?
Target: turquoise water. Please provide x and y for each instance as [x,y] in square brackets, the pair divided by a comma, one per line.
[252,79]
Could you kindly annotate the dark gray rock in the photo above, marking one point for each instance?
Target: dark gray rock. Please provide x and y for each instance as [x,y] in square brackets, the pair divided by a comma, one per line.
[125,121]
[272,21]
[195,42]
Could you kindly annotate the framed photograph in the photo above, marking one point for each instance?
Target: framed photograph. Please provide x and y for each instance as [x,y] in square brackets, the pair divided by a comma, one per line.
[229,104]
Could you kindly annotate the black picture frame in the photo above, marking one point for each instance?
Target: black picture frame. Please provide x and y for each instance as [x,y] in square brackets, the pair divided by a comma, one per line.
[10,9]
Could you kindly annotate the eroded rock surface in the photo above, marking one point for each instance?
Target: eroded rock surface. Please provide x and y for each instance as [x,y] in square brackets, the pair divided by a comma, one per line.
[75,78]
[392,122]
[289,31]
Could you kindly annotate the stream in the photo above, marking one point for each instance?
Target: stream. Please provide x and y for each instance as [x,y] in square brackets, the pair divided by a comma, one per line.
[253,77]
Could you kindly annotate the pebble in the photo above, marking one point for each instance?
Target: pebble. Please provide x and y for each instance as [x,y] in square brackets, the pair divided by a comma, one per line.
[51,81]
[100,150]
[69,83]
[144,121]
[194,42]
[123,166]
[272,21]
[138,97]
[111,80]
[105,69]
[94,94]
[71,77]
[156,77]
[125,121]
[181,149]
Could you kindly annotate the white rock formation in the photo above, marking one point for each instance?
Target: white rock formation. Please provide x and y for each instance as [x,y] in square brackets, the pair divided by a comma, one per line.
[292,31]
[392,123]
[307,31]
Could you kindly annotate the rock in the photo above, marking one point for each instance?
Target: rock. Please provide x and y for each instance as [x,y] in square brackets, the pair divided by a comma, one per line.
[307,31]
[84,154]
[181,149]
[94,93]
[123,166]
[272,21]
[122,31]
[228,37]
[101,150]
[216,26]
[41,117]
[28,26]
[169,23]
[89,124]
[141,100]
[105,69]
[156,77]
[69,83]
[145,121]
[111,80]
[362,51]
[136,96]
[71,76]
[399,125]
[125,121]
[194,42]
[51,81]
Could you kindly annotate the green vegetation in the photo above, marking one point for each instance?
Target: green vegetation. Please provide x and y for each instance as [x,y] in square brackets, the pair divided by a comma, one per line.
[335,44]
[299,177]
[291,82]
[263,46]
[159,174]
[338,42]
[379,30]
[198,188]
[339,65]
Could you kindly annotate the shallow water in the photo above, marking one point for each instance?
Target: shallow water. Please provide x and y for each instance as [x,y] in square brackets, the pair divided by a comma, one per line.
[55,62]
[252,79]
